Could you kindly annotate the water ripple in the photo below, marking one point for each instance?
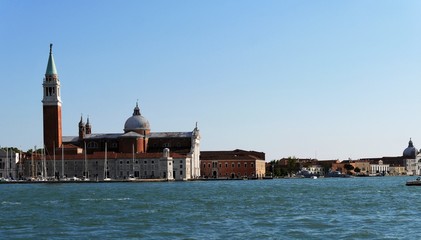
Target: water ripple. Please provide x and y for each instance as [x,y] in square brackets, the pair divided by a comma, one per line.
[360,208]
[10,203]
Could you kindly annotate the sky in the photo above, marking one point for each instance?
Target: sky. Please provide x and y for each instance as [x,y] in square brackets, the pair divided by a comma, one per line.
[321,79]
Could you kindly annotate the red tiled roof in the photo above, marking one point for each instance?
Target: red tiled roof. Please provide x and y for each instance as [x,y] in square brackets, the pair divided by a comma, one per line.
[232,155]
[392,161]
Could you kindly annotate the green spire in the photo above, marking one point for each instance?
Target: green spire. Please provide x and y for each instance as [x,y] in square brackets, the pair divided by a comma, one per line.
[51,66]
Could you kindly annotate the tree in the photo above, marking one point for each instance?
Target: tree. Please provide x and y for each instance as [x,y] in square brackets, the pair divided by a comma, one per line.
[349,168]
[276,169]
[38,151]
[272,167]
[14,149]
[281,172]
[357,170]
[292,166]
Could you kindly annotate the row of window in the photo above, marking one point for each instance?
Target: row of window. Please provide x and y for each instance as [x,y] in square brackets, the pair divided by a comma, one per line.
[96,162]
[95,145]
[136,173]
[215,165]
[152,174]
[114,145]
[146,162]
[166,145]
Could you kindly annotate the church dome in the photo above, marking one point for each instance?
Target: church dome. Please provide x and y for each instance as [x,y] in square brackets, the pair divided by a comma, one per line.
[410,151]
[136,122]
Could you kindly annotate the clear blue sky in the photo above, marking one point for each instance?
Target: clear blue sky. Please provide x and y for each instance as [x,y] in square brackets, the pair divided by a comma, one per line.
[326,79]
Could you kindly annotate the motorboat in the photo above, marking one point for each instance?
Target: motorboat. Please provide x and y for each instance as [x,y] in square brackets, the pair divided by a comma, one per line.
[416,182]
[4,180]
[86,179]
[75,179]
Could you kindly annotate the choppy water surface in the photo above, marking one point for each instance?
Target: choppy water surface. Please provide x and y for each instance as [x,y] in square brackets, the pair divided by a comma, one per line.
[353,208]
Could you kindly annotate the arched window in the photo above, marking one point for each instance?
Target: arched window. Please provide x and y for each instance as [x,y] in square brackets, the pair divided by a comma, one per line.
[92,145]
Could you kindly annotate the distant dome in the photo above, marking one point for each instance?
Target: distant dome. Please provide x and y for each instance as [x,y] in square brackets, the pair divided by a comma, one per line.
[410,151]
[136,122]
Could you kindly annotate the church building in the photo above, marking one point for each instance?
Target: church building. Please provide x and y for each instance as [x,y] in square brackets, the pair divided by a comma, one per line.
[135,153]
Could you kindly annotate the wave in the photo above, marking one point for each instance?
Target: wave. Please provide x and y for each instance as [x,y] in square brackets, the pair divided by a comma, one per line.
[105,199]
[10,203]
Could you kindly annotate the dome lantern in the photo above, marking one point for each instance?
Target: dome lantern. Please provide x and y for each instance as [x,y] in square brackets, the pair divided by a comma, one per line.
[410,152]
[137,123]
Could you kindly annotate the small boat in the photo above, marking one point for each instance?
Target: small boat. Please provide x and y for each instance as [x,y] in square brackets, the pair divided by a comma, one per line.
[416,182]
[75,179]
[4,180]
[314,177]
[86,179]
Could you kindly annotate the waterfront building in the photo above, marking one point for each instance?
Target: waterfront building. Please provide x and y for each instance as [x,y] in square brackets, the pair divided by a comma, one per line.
[397,170]
[410,152]
[136,152]
[8,163]
[339,166]
[396,164]
[412,159]
[359,167]
[313,170]
[232,164]
[379,168]
[413,166]
[362,166]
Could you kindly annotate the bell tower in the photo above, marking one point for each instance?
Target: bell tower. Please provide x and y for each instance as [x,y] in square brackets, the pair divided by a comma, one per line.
[51,103]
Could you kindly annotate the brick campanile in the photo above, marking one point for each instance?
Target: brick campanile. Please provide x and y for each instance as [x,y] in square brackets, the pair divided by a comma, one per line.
[51,103]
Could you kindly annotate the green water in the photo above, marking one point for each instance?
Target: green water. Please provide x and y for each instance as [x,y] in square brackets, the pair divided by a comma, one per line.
[331,208]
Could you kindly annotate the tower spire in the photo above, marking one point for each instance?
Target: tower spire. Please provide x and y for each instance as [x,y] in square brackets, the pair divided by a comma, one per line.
[51,66]
[88,127]
[81,120]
